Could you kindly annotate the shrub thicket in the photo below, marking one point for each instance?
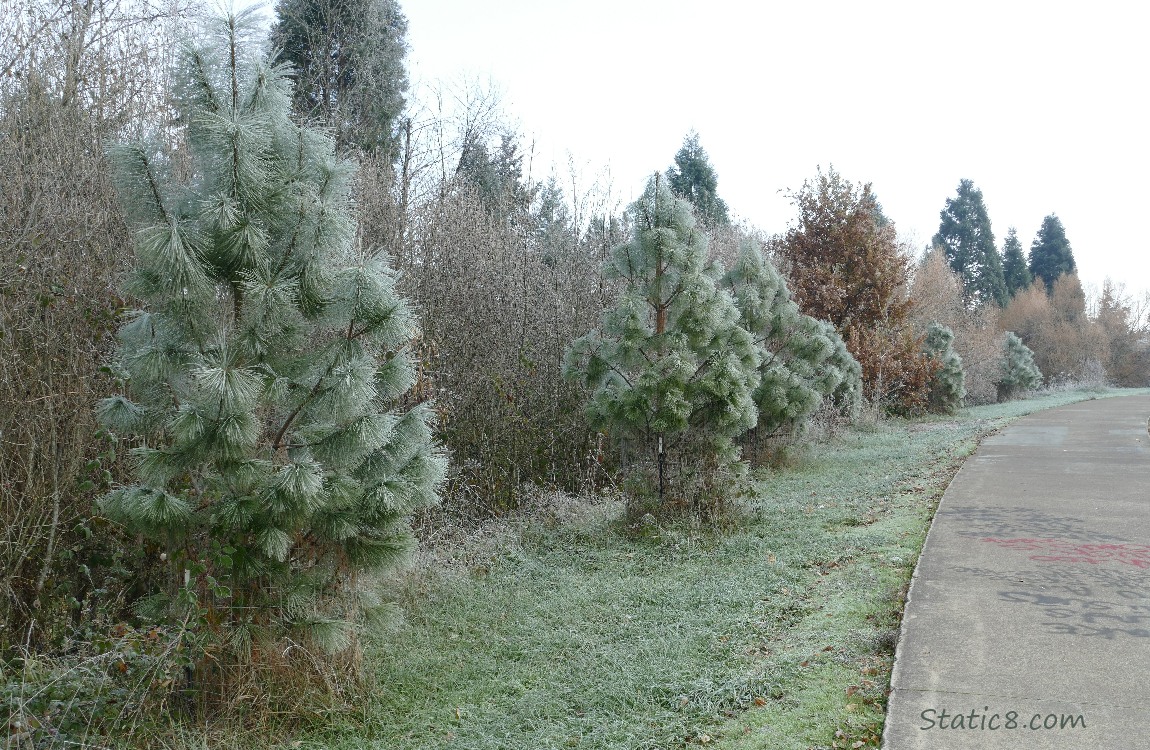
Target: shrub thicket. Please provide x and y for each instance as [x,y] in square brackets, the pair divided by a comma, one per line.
[1068,345]
[500,303]
[71,77]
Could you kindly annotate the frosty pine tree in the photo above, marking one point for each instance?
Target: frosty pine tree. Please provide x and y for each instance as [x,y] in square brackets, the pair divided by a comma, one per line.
[948,384]
[267,384]
[670,368]
[1017,371]
[804,360]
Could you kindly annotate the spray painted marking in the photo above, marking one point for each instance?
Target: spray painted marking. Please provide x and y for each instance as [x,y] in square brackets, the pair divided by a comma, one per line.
[1060,550]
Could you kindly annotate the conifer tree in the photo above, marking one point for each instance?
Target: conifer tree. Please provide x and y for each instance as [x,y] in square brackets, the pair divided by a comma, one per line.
[267,383]
[1018,372]
[1015,272]
[1050,253]
[804,360]
[948,385]
[671,371]
[964,234]
[693,179]
[348,61]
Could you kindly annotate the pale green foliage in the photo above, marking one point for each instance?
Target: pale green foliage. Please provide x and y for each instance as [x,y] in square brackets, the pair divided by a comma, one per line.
[1018,373]
[267,371]
[804,360]
[948,386]
[669,365]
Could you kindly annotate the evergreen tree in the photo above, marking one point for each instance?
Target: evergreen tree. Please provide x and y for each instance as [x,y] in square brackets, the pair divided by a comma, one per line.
[693,179]
[266,377]
[964,234]
[497,178]
[1050,253]
[803,360]
[1015,272]
[948,387]
[1018,372]
[671,371]
[551,218]
[348,57]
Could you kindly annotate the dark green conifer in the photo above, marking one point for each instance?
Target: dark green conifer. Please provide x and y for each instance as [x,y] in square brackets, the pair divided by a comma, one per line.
[1014,269]
[964,234]
[348,62]
[693,179]
[1050,253]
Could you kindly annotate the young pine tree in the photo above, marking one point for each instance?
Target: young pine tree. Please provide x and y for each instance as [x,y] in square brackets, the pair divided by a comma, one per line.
[671,371]
[948,384]
[267,383]
[803,360]
[1018,372]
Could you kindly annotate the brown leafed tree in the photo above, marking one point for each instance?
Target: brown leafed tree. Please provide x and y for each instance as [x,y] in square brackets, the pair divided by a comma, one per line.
[845,265]
[843,255]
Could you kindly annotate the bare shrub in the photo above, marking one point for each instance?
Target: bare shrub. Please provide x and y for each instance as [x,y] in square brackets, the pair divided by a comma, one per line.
[500,303]
[71,75]
[1123,320]
[1068,346]
[62,242]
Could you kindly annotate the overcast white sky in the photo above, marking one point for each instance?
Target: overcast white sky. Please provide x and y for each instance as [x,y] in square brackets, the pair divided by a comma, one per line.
[1043,105]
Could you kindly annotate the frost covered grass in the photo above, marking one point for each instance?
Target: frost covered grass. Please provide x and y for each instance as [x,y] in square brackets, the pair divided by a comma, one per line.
[562,628]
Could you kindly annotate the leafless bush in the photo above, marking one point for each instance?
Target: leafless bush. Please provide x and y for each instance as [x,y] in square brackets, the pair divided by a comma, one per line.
[1123,321]
[72,75]
[62,242]
[1068,345]
[500,301]
[106,58]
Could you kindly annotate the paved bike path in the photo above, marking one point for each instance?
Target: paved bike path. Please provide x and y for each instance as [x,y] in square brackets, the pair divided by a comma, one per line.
[1028,618]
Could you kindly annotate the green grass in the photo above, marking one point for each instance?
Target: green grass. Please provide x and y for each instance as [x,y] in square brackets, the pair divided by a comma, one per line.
[562,630]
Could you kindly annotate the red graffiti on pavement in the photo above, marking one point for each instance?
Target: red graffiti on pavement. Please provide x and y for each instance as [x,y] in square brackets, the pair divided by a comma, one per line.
[1061,550]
